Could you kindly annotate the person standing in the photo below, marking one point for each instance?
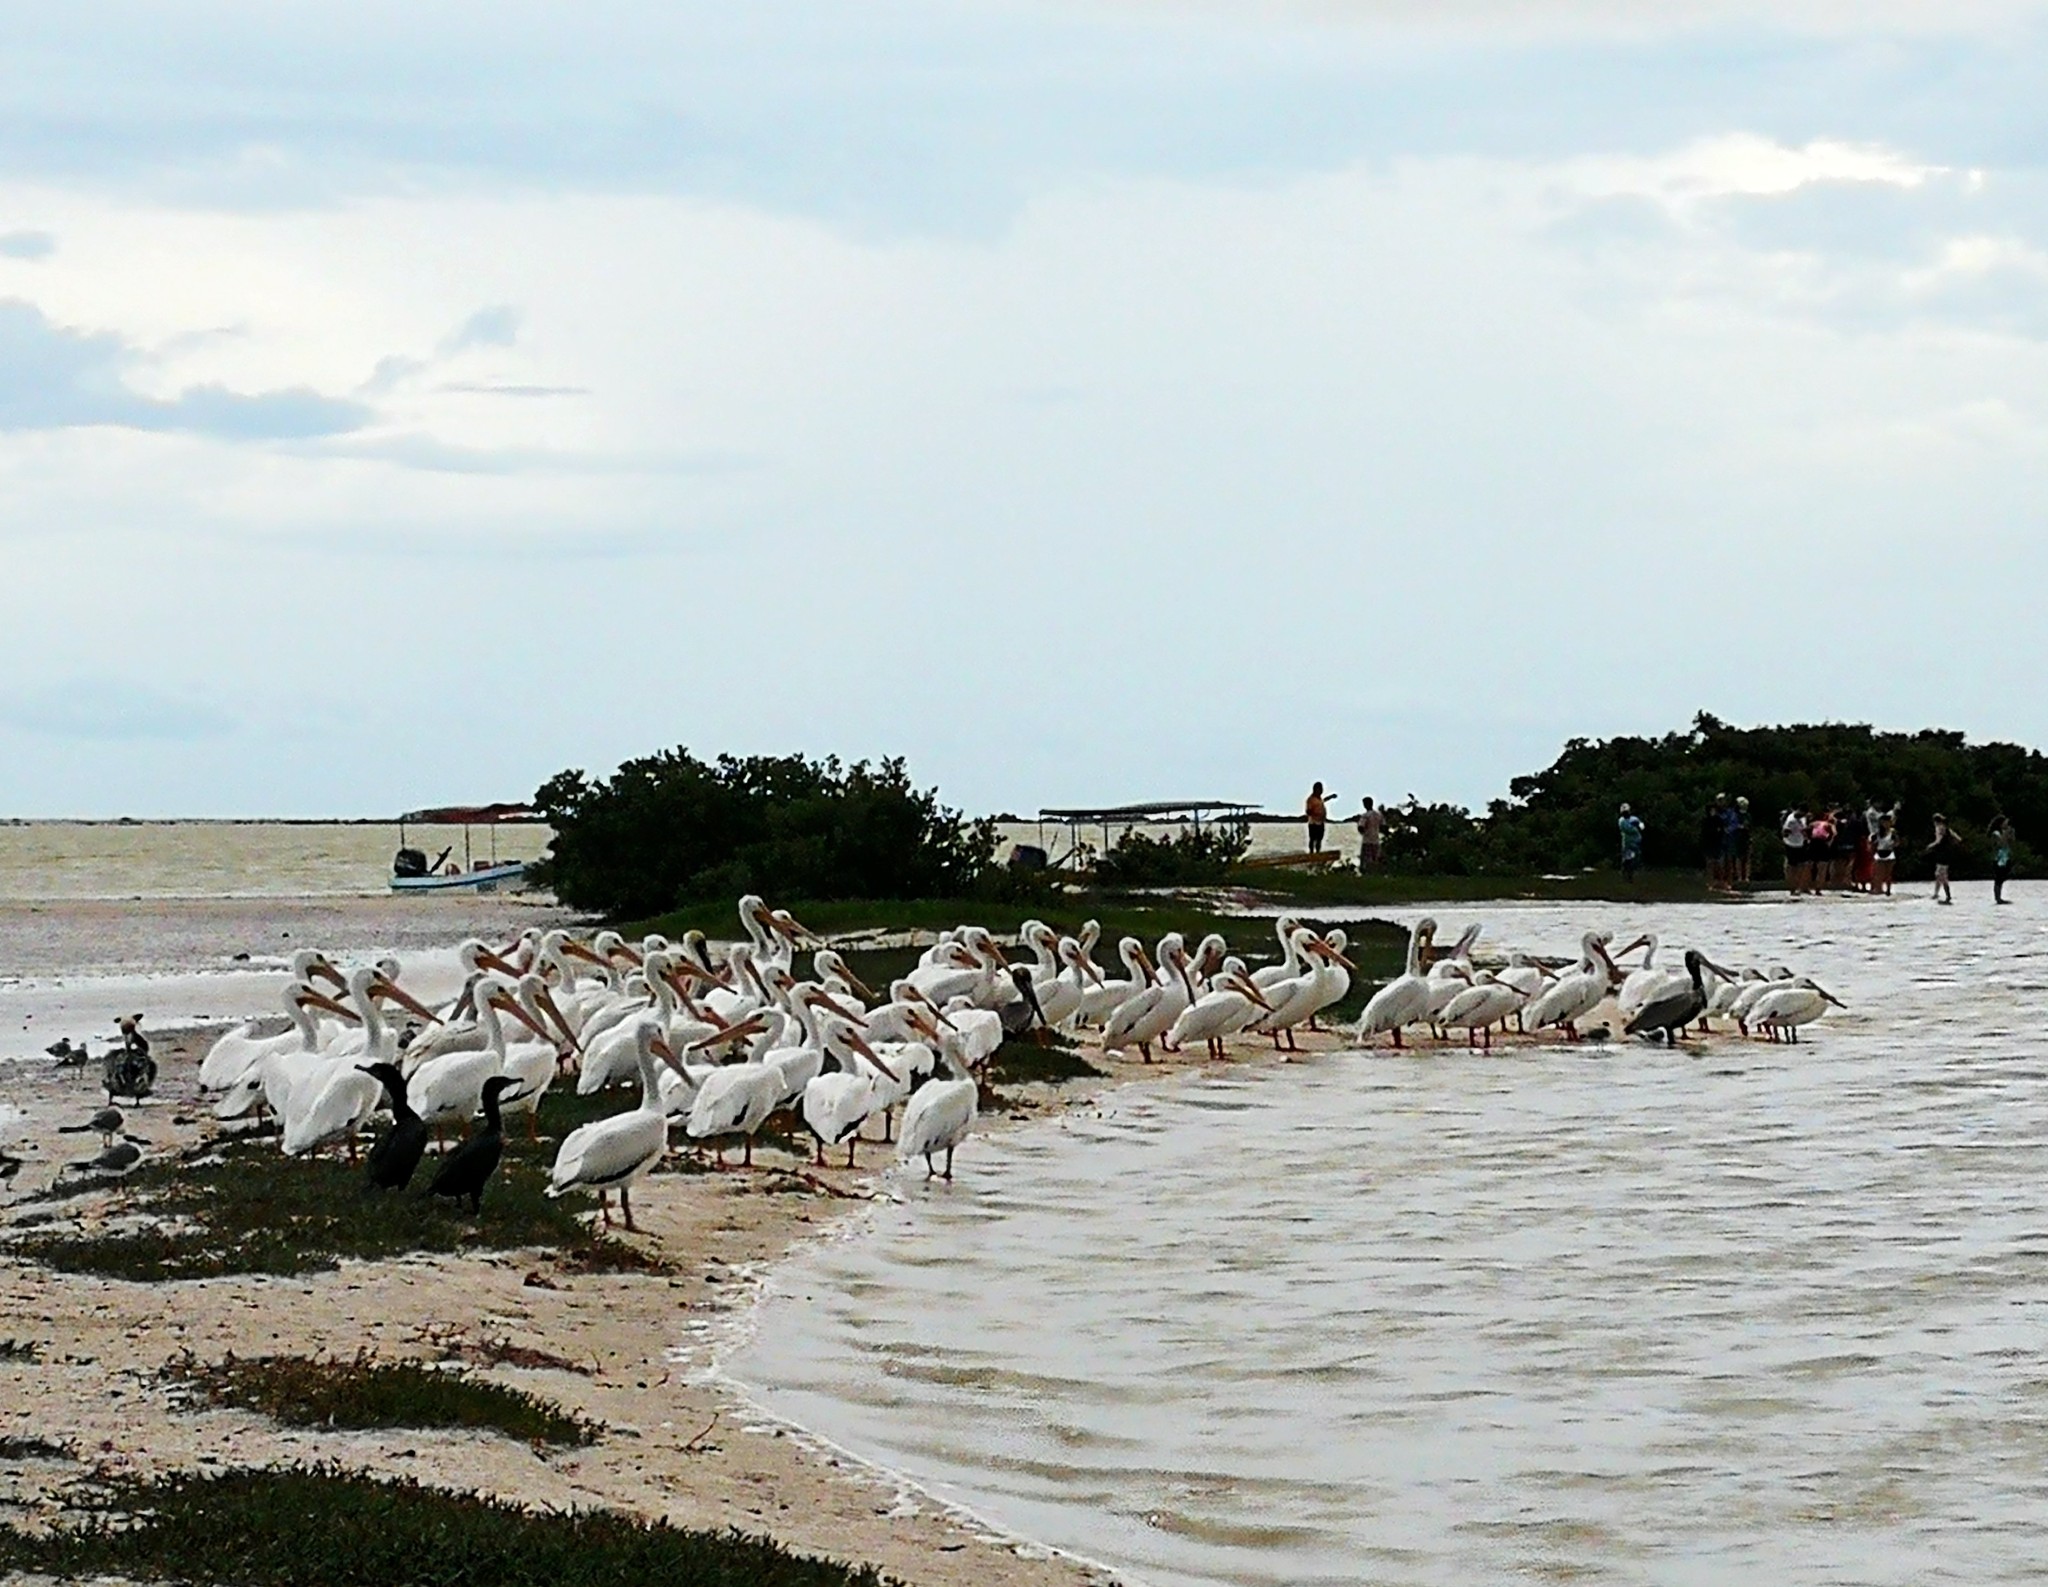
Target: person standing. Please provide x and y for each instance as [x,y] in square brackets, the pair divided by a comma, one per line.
[1631,826]
[1743,839]
[2001,858]
[1371,823]
[1792,833]
[1886,845]
[1945,848]
[1315,811]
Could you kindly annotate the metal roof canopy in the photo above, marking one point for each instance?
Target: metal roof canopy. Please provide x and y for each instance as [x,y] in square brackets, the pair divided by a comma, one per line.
[1158,810]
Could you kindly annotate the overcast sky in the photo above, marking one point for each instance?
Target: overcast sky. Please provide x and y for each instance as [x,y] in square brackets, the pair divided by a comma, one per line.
[1098,402]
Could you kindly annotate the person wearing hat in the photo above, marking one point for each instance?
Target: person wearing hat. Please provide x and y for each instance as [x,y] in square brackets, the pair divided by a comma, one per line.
[1631,843]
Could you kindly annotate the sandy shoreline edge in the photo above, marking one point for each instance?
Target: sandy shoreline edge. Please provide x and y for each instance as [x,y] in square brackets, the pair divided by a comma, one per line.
[686,1440]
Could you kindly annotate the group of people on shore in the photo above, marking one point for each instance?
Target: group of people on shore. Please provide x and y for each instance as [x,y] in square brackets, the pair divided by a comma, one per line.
[1829,848]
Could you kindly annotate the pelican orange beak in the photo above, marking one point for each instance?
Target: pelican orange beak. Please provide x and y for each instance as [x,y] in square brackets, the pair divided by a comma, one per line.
[497,961]
[395,993]
[321,966]
[511,1005]
[667,1054]
[322,1000]
[856,982]
[576,950]
[630,954]
[1330,953]
[546,999]
[858,1043]
[1250,988]
[996,948]
[1640,942]
[746,1027]
[938,1013]
[792,928]
[854,1015]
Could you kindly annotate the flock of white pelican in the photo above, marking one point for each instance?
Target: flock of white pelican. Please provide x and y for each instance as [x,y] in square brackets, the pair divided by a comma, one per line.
[720,1043]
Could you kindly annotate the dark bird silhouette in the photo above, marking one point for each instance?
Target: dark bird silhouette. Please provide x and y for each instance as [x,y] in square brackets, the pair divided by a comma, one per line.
[67,1055]
[1670,1012]
[116,1159]
[106,1124]
[1018,1017]
[10,1165]
[466,1170]
[396,1157]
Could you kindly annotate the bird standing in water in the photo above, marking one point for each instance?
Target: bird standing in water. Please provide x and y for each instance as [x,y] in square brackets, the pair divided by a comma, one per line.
[466,1170]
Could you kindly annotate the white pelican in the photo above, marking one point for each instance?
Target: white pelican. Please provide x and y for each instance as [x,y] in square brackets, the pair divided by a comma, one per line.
[1294,1001]
[229,1058]
[942,1112]
[1101,1000]
[1527,978]
[451,1087]
[1781,1011]
[1481,1006]
[1338,986]
[1645,981]
[1746,1000]
[1722,1002]
[609,1154]
[736,1099]
[1576,995]
[1290,964]
[838,1101]
[1233,1002]
[331,1104]
[834,975]
[1405,999]
[533,1065]
[1149,1012]
[1059,999]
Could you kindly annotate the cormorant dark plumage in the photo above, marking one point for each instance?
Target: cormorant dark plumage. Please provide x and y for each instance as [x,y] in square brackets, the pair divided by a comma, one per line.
[466,1170]
[116,1159]
[396,1157]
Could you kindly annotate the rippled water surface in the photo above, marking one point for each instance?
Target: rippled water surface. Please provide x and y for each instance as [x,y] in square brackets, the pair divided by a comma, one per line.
[1741,1314]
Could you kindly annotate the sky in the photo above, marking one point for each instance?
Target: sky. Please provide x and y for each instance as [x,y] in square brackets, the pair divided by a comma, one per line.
[1089,403]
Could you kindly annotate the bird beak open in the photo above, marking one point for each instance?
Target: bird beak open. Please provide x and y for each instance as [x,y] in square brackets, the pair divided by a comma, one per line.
[393,992]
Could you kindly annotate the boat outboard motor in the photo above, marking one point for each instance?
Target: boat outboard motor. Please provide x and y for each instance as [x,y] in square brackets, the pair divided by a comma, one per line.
[409,862]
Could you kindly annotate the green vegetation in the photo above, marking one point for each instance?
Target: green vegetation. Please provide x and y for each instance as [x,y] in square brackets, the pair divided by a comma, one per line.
[1190,858]
[245,1208]
[322,1527]
[1562,819]
[669,828]
[364,1392]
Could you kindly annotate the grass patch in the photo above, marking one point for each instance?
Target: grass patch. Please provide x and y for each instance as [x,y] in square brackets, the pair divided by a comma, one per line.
[364,1392]
[321,1527]
[20,1350]
[1019,1063]
[246,1208]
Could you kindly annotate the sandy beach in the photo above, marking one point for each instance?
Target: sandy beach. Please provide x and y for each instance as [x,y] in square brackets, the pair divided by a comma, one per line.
[637,1352]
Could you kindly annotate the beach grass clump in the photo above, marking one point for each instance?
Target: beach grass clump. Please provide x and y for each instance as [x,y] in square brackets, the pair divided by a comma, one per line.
[1017,1063]
[363,1392]
[323,1527]
[20,1350]
[244,1207]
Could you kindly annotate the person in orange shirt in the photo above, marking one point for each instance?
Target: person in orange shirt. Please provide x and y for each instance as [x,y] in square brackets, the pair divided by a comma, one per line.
[1316,812]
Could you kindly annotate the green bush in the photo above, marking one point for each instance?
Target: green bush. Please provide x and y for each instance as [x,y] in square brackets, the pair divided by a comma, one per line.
[669,830]
[1193,856]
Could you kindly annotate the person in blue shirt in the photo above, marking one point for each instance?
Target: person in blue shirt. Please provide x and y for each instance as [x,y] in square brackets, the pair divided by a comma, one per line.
[1631,843]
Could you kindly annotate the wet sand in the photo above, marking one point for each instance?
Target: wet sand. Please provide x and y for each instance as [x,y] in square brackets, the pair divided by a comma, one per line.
[679,1442]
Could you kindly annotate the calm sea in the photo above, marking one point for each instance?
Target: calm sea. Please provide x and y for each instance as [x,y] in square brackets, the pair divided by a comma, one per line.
[41,860]
[1738,1313]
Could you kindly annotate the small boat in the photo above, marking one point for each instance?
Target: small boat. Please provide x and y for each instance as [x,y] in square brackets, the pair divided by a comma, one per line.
[413,872]
[483,880]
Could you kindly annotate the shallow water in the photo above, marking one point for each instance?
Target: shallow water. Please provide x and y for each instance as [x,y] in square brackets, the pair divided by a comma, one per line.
[1746,1313]
[227,859]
